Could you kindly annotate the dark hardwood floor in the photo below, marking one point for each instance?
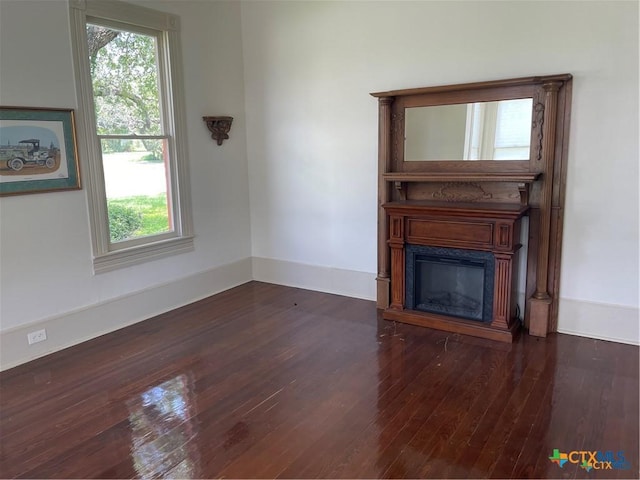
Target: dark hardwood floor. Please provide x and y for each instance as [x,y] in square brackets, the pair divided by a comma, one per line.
[265,381]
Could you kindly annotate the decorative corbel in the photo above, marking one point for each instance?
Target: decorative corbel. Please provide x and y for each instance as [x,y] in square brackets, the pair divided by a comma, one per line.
[219,127]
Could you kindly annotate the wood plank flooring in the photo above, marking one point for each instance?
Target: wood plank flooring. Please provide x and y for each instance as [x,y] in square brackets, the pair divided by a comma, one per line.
[266,381]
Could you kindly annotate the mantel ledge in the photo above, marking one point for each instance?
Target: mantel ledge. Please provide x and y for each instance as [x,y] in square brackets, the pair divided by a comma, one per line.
[524,178]
[456,209]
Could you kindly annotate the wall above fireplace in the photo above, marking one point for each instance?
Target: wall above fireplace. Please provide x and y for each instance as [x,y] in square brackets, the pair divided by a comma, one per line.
[512,138]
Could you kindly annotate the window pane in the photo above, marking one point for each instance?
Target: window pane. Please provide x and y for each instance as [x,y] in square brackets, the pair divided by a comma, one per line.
[511,153]
[513,127]
[137,190]
[125,82]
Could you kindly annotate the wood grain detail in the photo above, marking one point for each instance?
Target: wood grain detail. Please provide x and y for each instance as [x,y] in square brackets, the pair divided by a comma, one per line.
[448,324]
[539,316]
[397,274]
[502,294]
[271,381]
[462,192]
[504,193]
[504,237]
[384,195]
[397,230]
[430,232]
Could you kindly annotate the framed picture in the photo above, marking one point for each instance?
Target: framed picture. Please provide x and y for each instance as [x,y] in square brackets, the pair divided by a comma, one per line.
[38,151]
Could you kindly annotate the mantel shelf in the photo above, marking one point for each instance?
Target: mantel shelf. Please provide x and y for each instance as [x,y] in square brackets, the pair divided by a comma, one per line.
[524,177]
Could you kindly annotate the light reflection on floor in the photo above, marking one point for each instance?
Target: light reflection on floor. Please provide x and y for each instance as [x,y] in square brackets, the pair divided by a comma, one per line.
[163,431]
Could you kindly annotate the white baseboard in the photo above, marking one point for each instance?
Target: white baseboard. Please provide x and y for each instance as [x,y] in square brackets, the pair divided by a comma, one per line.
[84,324]
[603,321]
[350,283]
[587,319]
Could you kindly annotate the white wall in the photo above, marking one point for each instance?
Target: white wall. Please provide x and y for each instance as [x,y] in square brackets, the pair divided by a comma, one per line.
[45,248]
[312,128]
[435,133]
[304,70]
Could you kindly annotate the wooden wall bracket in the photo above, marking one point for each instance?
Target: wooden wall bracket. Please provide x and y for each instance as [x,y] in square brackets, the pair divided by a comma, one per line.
[219,127]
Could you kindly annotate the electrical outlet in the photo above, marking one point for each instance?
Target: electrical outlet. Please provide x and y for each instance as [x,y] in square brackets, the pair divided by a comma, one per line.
[37,336]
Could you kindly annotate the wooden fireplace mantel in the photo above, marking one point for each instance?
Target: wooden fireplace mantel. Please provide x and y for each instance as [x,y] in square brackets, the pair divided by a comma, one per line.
[525,177]
[456,209]
[493,228]
[480,202]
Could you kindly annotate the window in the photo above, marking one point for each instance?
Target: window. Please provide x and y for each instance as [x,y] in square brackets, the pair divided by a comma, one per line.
[498,130]
[513,130]
[132,131]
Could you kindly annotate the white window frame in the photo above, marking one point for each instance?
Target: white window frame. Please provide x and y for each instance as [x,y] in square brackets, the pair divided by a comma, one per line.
[107,255]
[487,113]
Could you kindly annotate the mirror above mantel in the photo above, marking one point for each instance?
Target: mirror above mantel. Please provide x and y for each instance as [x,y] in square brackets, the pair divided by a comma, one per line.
[449,155]
[499,130]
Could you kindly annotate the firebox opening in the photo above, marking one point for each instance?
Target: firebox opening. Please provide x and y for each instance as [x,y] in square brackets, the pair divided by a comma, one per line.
[452,282]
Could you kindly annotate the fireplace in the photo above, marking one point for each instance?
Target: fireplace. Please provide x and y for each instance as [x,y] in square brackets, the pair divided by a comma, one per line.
[453,266]
[450,281]
[436,172]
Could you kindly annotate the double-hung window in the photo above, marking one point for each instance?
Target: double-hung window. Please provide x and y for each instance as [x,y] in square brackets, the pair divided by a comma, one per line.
[132,131]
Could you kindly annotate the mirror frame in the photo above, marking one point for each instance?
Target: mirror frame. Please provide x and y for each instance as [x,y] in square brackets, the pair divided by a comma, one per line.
[551,96]
[471,94]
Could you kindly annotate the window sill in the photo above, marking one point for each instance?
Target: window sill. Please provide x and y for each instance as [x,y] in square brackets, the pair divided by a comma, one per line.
[140,254]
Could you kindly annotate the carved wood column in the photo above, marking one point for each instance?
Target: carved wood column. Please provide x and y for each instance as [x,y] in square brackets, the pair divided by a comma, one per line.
[396,242]
[384,166]
[541,300]
[502,291]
